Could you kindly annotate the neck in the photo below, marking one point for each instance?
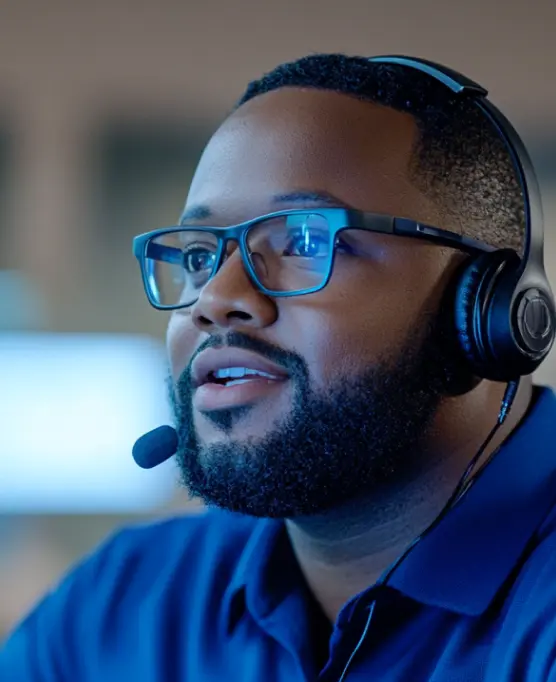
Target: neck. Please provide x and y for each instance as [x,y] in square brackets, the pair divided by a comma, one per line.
[343,552]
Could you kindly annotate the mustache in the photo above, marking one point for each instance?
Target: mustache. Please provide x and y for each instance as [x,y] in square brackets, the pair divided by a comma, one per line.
[292,362]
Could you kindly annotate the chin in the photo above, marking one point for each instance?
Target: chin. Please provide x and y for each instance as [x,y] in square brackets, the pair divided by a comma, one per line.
[245,423]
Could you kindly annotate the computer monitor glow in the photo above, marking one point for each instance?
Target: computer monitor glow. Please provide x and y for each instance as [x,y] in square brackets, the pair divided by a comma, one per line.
[71,407]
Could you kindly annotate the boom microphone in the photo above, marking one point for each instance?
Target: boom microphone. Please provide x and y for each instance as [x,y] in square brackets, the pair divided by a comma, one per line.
[155,447]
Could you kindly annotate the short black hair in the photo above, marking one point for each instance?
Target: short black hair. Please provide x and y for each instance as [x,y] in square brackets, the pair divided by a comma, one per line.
[460,161]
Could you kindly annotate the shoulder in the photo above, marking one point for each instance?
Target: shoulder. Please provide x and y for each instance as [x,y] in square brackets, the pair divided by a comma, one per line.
[196,539]
[138,564]
[535,574]
[527,610]
[173,571]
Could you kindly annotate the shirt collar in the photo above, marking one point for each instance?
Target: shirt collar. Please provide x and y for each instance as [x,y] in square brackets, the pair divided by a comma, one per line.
[250,584]
[465,560]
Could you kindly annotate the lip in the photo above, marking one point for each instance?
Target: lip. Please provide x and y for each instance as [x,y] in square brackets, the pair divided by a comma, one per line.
[220,358]
[213,397]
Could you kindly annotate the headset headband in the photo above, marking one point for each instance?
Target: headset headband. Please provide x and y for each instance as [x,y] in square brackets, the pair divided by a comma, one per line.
[532,273]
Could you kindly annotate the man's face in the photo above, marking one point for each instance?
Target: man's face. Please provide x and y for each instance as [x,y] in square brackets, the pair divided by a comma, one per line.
[355,371]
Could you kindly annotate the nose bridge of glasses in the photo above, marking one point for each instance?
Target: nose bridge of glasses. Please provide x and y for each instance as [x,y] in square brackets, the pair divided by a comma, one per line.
[230,254]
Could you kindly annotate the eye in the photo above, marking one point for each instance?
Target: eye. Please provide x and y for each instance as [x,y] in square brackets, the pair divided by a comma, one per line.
[341,246]
[198,258]
[307,244]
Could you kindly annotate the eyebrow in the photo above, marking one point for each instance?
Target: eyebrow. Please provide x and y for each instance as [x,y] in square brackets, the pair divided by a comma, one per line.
[199,212]
[305,197]
[202,211]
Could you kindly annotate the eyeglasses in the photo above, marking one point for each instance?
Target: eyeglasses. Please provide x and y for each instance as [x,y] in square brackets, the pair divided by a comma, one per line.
[286,253]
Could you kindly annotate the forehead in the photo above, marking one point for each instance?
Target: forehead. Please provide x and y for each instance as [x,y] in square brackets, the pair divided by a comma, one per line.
[300,139]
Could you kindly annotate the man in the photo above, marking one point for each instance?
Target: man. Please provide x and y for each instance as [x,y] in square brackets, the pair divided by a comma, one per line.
[326,414]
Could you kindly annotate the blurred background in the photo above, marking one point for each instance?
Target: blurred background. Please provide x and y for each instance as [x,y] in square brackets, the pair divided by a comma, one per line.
[104,110]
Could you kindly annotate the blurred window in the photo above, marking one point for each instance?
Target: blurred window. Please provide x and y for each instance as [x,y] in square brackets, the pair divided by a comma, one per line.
[142,175]
[71,407]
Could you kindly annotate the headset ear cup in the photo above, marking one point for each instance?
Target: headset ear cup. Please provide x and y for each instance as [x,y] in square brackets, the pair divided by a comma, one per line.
[465,298]
[476,283]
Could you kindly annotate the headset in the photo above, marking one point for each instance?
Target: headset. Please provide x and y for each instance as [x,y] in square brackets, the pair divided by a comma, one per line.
[504,309]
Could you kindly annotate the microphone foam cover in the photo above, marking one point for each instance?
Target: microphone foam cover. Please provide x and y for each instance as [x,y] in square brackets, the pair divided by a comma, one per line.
[155,447]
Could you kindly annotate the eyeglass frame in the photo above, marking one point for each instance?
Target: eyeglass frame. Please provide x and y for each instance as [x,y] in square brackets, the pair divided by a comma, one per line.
[338,219]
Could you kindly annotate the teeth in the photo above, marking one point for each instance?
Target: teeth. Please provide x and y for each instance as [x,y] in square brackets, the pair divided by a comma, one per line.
[236,382]
[239,373]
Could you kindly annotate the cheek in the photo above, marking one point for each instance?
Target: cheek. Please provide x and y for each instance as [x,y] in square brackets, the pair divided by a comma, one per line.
[181,341]
[368,311]
[344,334]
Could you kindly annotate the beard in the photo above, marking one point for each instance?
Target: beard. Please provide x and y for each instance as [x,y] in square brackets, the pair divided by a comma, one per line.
[359,438]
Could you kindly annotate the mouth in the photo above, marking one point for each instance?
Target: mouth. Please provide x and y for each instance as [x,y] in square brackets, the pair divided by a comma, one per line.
[231,377]
[235,376]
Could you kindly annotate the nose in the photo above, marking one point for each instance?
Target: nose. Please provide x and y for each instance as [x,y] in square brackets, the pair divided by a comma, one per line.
[231,301]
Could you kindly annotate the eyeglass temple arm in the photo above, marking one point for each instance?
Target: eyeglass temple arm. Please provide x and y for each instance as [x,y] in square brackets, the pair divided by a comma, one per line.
[411,228]
[161,252]
[405,227]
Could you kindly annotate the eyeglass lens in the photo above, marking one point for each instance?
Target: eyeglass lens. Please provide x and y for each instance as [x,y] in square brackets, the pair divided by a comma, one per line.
[288,253]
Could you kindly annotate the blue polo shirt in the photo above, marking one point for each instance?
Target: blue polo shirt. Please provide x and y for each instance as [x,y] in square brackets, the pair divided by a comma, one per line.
[218,597]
